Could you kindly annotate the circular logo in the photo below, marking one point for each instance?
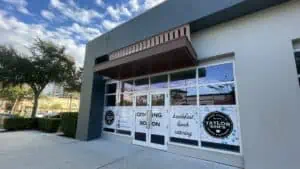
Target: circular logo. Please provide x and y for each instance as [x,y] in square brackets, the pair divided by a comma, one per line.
[218,124]
[109,117]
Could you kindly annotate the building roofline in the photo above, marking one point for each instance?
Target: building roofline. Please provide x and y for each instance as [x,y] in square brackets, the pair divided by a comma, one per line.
[202,14]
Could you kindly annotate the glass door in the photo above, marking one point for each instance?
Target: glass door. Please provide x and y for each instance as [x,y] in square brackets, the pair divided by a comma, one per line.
[159,120]
[142,115]
[151,120]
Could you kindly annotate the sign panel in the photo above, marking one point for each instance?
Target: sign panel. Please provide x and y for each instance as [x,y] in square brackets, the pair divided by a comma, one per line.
[184,122]
[124,119]
[110,117]
[219,124]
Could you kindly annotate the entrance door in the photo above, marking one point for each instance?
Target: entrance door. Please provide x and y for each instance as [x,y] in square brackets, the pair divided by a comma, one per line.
[151,120]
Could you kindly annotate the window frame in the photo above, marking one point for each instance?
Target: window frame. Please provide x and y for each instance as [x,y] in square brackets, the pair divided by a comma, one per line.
[298,74]
[196,85]
[111,94]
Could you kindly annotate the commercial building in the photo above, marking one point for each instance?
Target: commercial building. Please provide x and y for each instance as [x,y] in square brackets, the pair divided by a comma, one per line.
[54,90]
[215,80]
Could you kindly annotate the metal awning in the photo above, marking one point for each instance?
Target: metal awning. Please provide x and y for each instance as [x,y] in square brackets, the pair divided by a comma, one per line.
[174,54]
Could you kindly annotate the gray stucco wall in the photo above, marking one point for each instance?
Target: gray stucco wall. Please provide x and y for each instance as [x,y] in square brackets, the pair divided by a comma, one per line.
[268,89]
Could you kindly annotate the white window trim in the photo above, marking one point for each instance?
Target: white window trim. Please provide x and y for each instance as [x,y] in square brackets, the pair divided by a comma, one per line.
[296,50]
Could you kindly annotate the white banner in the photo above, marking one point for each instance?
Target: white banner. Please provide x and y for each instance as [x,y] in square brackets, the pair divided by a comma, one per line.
[219,124]
[110,117]
[124,118]
[184,122]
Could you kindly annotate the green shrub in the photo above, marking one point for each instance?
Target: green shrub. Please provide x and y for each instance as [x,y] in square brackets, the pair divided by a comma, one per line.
[69,124]
[1,122]
[18,123]
[49,125]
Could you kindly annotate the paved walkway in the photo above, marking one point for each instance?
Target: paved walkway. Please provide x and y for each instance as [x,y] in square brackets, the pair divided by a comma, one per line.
[35,150]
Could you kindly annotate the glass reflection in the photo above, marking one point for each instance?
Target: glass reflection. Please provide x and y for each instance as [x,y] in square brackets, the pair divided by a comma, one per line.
[127,86]
[126,100]
[217,95]
[187,96]
[159,82]
[158,100]
[215,74]
[111,100]
[141,100]
[141,84]
[183,78]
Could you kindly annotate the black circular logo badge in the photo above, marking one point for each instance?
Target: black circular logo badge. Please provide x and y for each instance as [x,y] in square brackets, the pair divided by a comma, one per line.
[218,124]
[109,117]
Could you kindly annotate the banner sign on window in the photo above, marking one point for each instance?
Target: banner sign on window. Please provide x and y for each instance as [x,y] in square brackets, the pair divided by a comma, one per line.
[219,124]
[110,117]
[184,122]
[124,119]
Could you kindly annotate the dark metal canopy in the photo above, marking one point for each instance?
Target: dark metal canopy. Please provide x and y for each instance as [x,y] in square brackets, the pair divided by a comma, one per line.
[171,55]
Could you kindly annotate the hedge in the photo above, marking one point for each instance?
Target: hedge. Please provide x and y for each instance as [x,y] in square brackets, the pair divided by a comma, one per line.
[18,123]
[69,124]
[49,125]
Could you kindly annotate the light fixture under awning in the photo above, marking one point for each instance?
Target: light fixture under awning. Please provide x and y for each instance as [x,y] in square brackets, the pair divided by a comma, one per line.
[174,54]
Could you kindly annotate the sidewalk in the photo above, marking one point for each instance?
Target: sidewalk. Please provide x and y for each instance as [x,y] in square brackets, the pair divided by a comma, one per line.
[35,150]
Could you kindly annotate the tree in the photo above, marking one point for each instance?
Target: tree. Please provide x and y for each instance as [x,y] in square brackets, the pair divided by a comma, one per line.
[74,83]
[47,64]
[14,94]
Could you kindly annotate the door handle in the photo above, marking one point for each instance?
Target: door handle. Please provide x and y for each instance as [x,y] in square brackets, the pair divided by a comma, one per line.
[149,118]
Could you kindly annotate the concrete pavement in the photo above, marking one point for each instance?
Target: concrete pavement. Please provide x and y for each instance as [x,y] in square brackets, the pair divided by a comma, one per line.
[36,150]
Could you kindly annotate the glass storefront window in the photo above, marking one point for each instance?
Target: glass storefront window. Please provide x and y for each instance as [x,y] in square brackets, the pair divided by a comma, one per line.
[126,99]
[141,84]
[216,74]
[183,78]
[127,86]
[111,88]
[159,82]
[111,100]
[185,96]
[158,100]
[141,100]
[223,94]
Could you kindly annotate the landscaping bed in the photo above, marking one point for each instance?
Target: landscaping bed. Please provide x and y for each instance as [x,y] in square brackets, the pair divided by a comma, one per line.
[17,123]
[66,123]
[49,125]
[69,124]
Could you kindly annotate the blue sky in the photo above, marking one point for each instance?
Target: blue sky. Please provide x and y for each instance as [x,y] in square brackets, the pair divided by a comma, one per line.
[66,22]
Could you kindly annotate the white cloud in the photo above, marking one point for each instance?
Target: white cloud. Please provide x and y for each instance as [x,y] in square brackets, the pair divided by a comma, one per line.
[85,33]
[118,11]
[47,15]
[100,3]
[21,35]
[151,3]
[108,24]
[134,5]
[72,11]
[20,5]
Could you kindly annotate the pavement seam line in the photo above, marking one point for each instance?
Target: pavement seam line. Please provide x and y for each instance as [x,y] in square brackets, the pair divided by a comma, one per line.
[118,159]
